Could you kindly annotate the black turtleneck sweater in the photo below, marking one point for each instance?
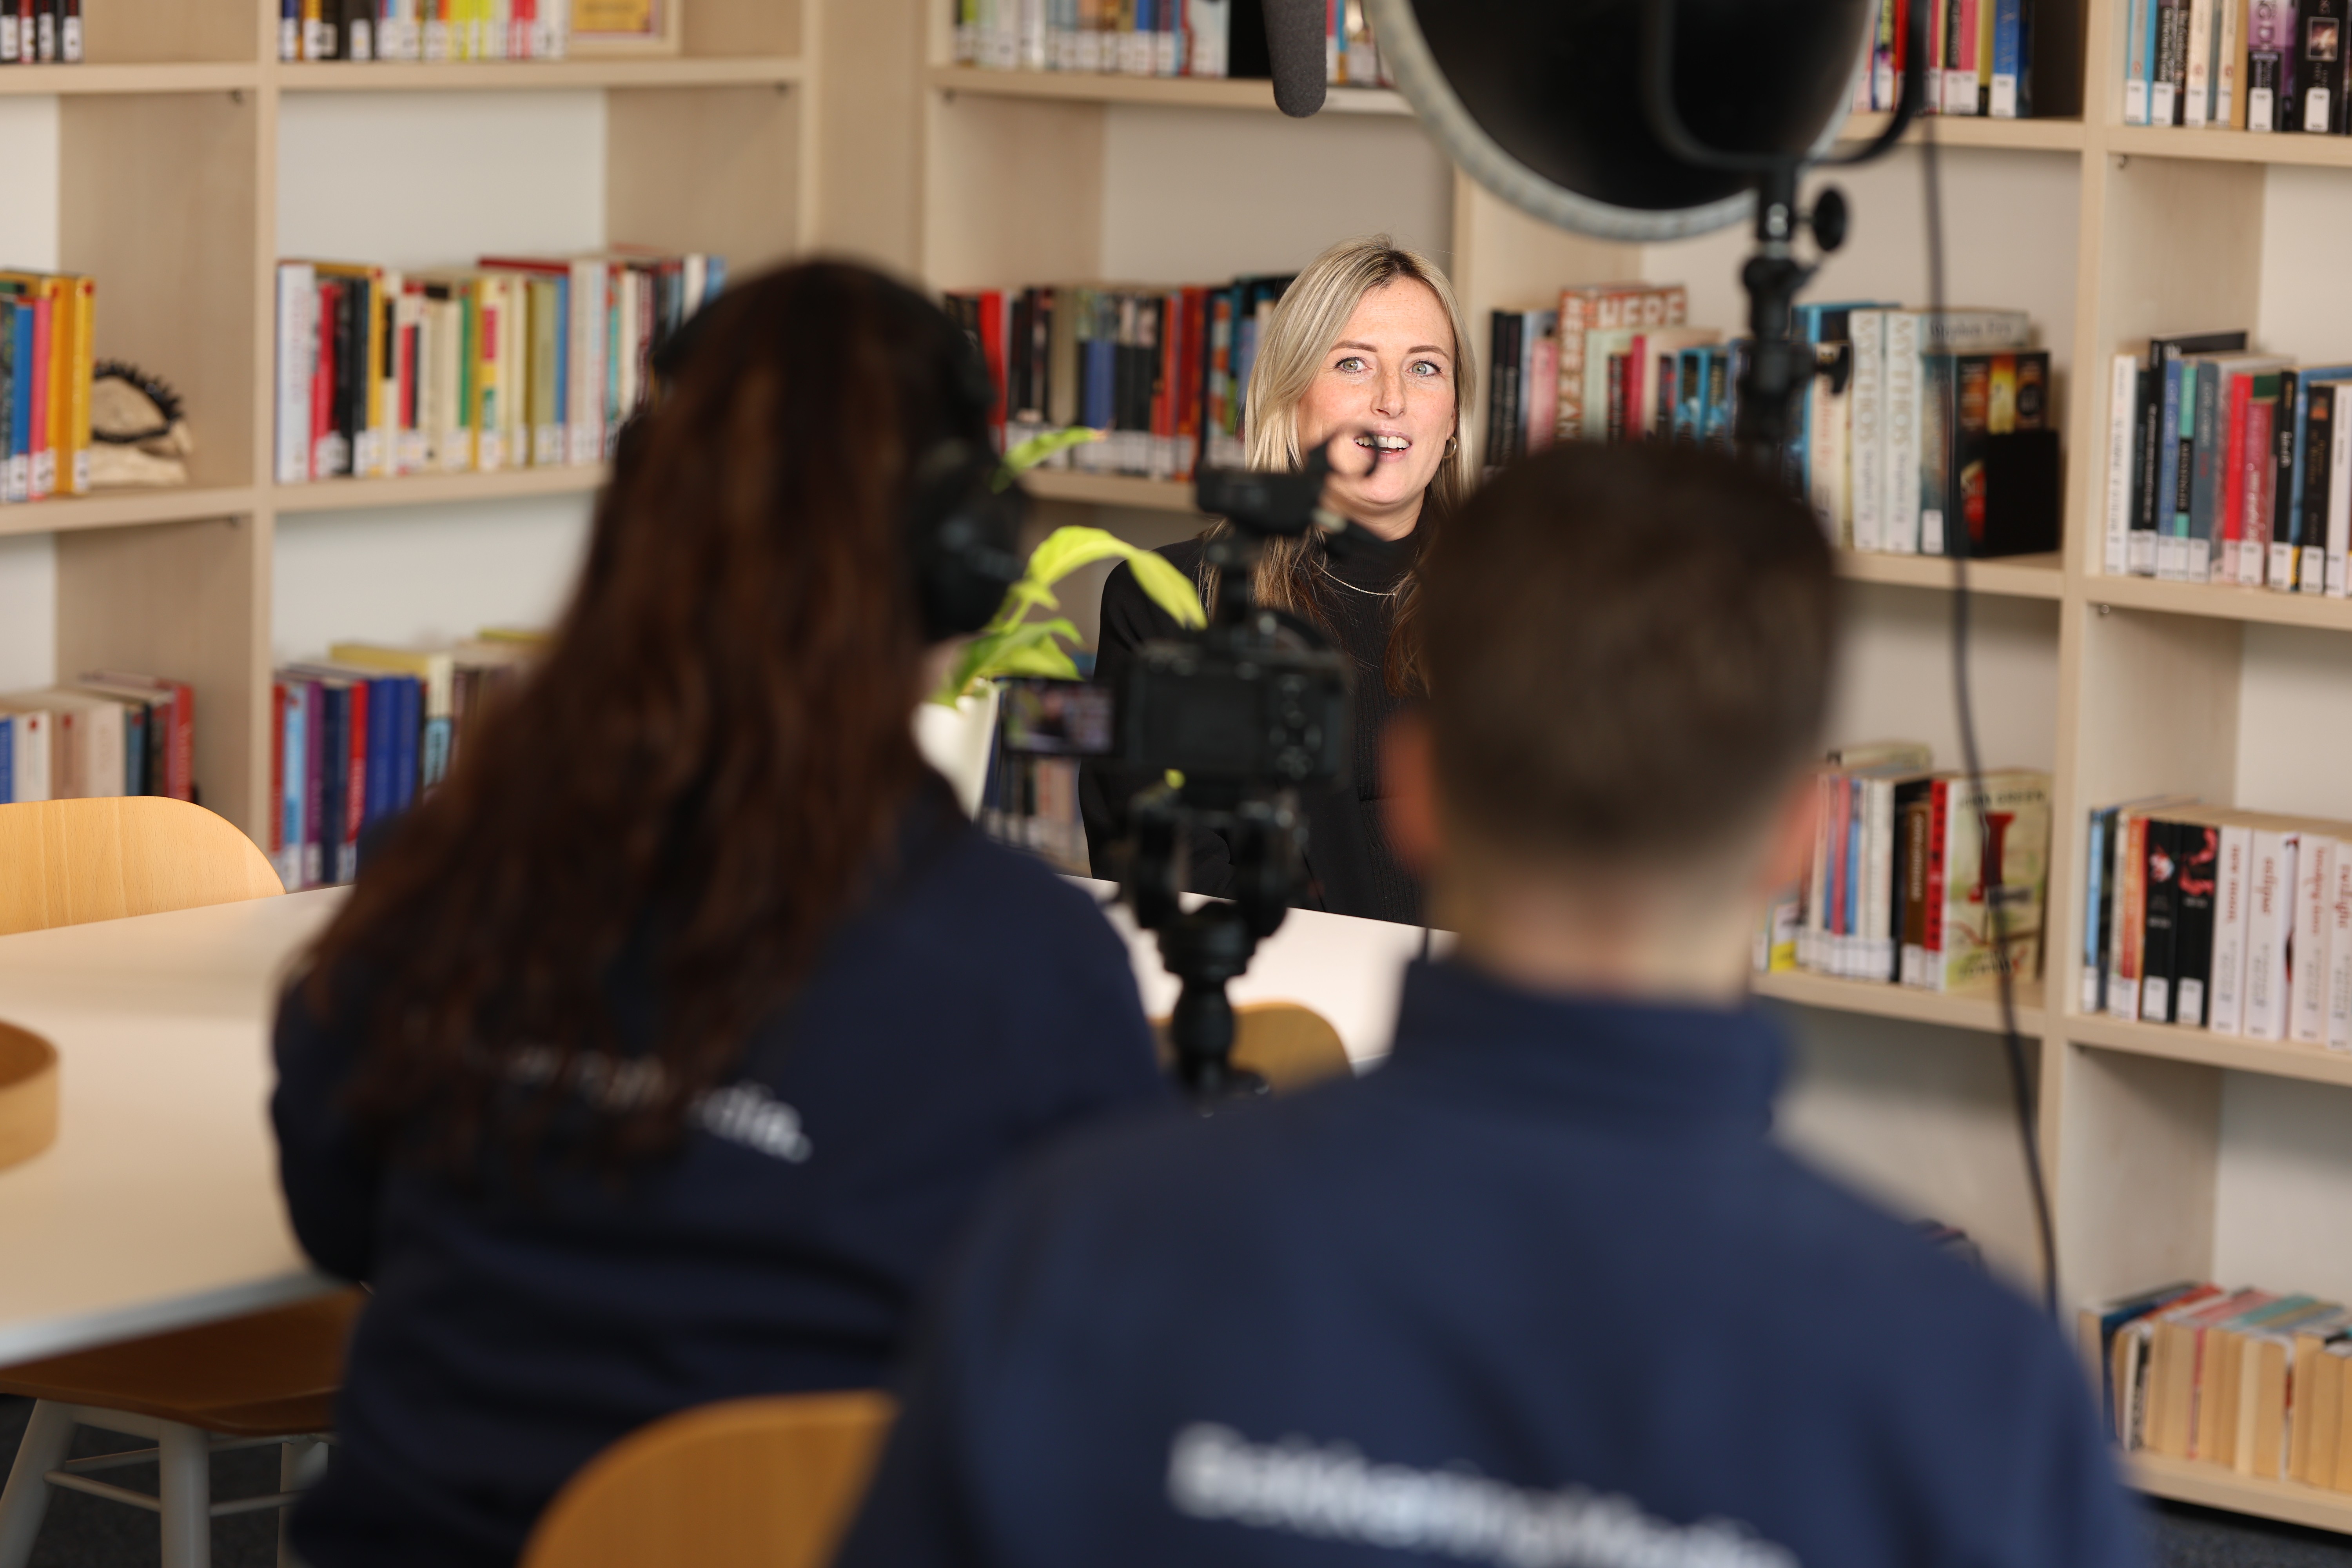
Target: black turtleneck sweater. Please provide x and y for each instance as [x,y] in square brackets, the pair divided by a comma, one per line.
[1349,869]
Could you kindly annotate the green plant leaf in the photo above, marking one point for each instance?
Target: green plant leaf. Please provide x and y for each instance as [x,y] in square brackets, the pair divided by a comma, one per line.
[1038,449]
[1065,550]
[1170,589]
[1029,648]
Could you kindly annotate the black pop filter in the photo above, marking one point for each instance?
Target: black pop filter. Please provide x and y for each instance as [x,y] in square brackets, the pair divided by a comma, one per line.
[1542,103]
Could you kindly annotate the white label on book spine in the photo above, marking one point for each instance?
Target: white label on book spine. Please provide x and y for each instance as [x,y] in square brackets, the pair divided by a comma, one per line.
[2311,576]
[2259,110]
[2171,558]
[2159,103]
[2283,567]
[1931,530]
[2004,95]
[2314,110]
[2155,993]
[2193,1000]
[2135,104]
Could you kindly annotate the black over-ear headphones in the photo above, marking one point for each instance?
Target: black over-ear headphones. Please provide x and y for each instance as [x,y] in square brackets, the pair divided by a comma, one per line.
[963,517]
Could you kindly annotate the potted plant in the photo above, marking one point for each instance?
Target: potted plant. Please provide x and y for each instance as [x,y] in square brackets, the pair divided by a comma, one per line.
[956,727]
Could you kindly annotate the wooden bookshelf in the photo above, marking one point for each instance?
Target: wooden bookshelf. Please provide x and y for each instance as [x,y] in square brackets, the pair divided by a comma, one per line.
[2130,687]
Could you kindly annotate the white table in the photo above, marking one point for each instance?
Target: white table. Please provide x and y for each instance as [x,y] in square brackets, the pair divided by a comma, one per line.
[158,1206]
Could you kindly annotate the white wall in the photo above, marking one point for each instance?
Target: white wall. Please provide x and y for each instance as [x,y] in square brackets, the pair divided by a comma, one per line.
[1169,173]
[28,237]
[1896,682]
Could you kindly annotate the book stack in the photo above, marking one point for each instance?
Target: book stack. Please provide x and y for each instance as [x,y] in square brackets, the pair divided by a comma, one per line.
[1981,59]
[1161,371]
[2226,466]
[1918,421]
[2245,1380]
[48,322]
[2236,921]
[358,736]
[365,31]
[40,32]
[1908,868]
[518,362]
[2245,65]
[110,733]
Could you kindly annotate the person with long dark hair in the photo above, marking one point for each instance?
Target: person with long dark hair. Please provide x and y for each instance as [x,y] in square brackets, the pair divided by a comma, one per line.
[657,1056]
[1366,356]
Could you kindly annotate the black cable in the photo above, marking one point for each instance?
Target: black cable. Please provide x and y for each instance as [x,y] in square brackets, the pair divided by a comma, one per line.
[1956,545]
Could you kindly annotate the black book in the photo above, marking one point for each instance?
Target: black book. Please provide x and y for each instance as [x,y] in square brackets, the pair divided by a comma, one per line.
[2157,951]
[2147,515]
[45,32]
[2283,473]
[2197,850]
[2319,67]
[1502,407]
[354,394]
[2318,439]
[2169,73]
[358,29]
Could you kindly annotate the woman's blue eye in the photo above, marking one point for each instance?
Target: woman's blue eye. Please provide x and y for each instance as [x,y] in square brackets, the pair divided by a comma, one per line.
[1428,367]
[1351,363]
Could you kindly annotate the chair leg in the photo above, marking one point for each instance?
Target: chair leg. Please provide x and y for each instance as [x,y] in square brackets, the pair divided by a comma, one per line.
[27,1498]
[300,1463]
[185,1461]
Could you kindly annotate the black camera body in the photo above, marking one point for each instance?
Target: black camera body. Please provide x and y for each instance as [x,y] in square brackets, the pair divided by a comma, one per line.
[1229,716]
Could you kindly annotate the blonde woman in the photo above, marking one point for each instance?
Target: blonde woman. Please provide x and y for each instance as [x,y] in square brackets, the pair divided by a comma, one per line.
[1369,345]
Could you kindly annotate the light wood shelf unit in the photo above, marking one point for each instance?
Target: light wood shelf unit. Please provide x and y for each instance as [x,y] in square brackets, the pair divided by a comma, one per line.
[2143,677]
[168,179]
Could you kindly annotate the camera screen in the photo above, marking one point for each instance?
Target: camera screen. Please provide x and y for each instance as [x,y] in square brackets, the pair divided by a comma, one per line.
[1056,718]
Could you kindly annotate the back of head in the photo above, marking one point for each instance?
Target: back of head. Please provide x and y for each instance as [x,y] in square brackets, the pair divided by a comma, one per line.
[1629,651]
[715,752]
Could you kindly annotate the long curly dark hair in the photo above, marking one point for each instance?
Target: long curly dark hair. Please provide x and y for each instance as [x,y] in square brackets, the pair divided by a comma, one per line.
[710,765]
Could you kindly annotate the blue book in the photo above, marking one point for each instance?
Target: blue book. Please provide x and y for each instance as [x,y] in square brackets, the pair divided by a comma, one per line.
[7,760]
[714,276]
[2012,97]
[562,281]
[335,780]
[1690,392]
[1855,871]
[294,759]
[20,408]
[380,749]
[406,739]
[2169,521]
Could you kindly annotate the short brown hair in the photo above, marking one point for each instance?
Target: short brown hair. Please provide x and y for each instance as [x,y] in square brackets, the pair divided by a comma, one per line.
[1629,651]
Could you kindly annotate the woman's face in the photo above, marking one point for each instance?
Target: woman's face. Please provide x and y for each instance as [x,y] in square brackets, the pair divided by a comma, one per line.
[1389,382]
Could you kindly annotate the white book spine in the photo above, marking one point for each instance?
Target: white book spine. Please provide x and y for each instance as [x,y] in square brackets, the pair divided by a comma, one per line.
[2197,106]
[2314,888]
[297,297]
[2339,491]
[587,401]
[2339,956]
[1901,465]
[1868,409]
[2123,414]
[32,773]
[2225,1014]
[2270,934]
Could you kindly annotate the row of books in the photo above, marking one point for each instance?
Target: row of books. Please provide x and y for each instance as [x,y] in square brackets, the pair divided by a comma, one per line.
[1153,37]
[40,32]
[2248,65]
[2236,921]
[405,30]
[47,330]
[358,736]
[2248,1380]
[517,362]
[1163,372]
[112,732]
[2228,467]
[1980,59]
[1908,868]
[1916,422]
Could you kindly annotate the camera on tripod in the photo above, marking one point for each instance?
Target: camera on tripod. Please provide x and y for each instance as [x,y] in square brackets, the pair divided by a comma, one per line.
[1233,722]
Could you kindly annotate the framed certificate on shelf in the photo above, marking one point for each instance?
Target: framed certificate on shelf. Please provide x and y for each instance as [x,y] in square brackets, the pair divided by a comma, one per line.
[625,26]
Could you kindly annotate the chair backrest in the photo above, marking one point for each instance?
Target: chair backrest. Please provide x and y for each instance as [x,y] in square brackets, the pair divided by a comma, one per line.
[772,1481]
[1288,1044]
[65,862]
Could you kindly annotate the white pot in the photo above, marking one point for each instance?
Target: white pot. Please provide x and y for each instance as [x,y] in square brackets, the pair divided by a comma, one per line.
[957,741]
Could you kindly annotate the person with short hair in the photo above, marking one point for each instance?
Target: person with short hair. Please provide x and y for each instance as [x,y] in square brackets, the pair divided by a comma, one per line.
[658,1054]
[1540,1291]
[1366,356]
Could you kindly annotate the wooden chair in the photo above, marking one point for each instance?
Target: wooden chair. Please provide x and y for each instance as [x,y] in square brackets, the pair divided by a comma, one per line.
[1288,1044]
[750,1483]
[265,1378]
[66,862]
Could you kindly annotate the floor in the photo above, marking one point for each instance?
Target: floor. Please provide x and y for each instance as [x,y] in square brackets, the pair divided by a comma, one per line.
[87,1532]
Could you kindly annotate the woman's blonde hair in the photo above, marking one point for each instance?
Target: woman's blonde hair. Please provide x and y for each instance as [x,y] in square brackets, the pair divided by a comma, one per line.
[1313,314]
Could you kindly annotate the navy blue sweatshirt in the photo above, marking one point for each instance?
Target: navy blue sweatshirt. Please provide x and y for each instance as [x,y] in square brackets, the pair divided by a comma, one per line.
[1538,1292]
[978,1007]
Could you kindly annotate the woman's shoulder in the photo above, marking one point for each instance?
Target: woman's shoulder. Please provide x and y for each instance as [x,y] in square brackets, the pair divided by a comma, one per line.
[1128,614]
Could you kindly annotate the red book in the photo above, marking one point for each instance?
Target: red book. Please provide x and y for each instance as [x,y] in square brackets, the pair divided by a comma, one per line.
[1841,804]
[322,378]
[1939,815]
[355,775]
[2231,523]
[991,351]
[1190,365]
[2254,524]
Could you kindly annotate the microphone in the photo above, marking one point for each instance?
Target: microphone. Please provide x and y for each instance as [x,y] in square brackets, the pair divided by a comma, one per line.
[1293,48]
